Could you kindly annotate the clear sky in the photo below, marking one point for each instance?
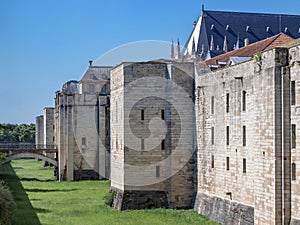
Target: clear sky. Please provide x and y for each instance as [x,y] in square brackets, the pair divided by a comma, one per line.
[44,43]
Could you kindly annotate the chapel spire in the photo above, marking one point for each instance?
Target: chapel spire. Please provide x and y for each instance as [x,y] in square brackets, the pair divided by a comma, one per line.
[178,56]
[212,44]
[172,50]
[225,47]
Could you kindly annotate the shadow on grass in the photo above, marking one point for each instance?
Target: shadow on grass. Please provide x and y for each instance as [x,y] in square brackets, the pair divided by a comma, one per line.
[40,210]
[49,190]
[24,212]
[35,179]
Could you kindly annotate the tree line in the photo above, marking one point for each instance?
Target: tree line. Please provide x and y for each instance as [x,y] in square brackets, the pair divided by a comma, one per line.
[17,132]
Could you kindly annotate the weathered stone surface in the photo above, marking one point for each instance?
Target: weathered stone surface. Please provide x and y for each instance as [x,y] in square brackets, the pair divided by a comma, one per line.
[152,131]
[224,211]
[295,221]
[139,199]
[86,175]
[81,126]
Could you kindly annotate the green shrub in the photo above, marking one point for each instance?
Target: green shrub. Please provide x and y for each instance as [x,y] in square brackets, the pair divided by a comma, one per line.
[109,198]
[2,156]
[7,204]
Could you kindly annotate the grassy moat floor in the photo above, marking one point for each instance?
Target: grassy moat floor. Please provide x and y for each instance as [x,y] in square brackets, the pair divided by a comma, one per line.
[43,200]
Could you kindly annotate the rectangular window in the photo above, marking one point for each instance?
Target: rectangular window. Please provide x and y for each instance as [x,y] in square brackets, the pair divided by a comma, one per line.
[212,161]
[293,93]
[92,88]
[244,100]
[244,135]
[212,136]
[83,141]
[157,171]
[244,166]
[227,135]
[227,102]
[163,145]
[212,105]
[142,115]
[142,144]
[227,163]
[293,171]
[163,114]
[293,135]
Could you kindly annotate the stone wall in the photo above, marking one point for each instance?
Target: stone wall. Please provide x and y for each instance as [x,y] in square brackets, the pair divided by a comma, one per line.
[39,131]
[48,126]
[239,130]
[224,211]
[82,132]
[152,131]
[294,57]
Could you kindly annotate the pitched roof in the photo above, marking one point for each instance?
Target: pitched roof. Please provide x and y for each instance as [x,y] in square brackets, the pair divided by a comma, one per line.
[252,49]
[96,73]
[291,43]
[237,26]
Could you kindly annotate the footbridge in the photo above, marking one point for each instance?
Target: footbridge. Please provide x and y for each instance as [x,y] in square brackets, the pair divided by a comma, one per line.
[28,150]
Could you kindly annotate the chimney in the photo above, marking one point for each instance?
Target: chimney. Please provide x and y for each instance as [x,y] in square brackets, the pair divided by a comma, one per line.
[91,62]
[246,41]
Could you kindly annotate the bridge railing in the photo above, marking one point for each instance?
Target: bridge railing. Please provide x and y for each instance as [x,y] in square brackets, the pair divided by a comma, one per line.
[16,146]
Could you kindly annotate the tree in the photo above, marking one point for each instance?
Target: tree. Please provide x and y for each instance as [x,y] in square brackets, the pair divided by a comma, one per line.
[17,133]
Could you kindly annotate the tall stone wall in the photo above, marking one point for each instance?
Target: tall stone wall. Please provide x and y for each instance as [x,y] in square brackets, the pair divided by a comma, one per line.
[294,57]
[39,131]
[48,126]
[152,134]
[239,131]
[82,129]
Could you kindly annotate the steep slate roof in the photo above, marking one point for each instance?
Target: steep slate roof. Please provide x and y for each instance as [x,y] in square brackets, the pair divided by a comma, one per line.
[252,49]
[237,26]
[96,73]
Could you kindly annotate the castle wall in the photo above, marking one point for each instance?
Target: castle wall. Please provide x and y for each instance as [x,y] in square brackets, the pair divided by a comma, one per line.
[82,129]
[152,135]
[39,131]
[48,126]
[239,131]
[294,56]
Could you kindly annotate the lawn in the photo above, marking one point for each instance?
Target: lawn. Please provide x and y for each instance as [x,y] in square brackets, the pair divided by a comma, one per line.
[42,200]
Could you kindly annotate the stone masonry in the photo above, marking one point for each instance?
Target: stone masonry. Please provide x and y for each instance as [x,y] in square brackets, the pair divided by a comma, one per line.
[82,126]
[39,131]
[152,135]
[244,141]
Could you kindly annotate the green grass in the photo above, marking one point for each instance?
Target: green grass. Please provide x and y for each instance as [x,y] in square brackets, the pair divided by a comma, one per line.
[42,200]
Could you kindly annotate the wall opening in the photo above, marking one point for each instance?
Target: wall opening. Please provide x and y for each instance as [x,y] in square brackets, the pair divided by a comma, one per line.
[244,135]
[293,93]
[163,145]
[142,114]
[212,105]
[83,141]
[244,165]
[157,171]
[212,136]
[244,100]
[293,135]
[227,163]
[163,114]
[227,135]
[227,102]
[293,171]
[142,144]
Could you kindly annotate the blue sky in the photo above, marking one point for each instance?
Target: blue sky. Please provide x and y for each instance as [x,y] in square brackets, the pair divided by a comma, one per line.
[44,43]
